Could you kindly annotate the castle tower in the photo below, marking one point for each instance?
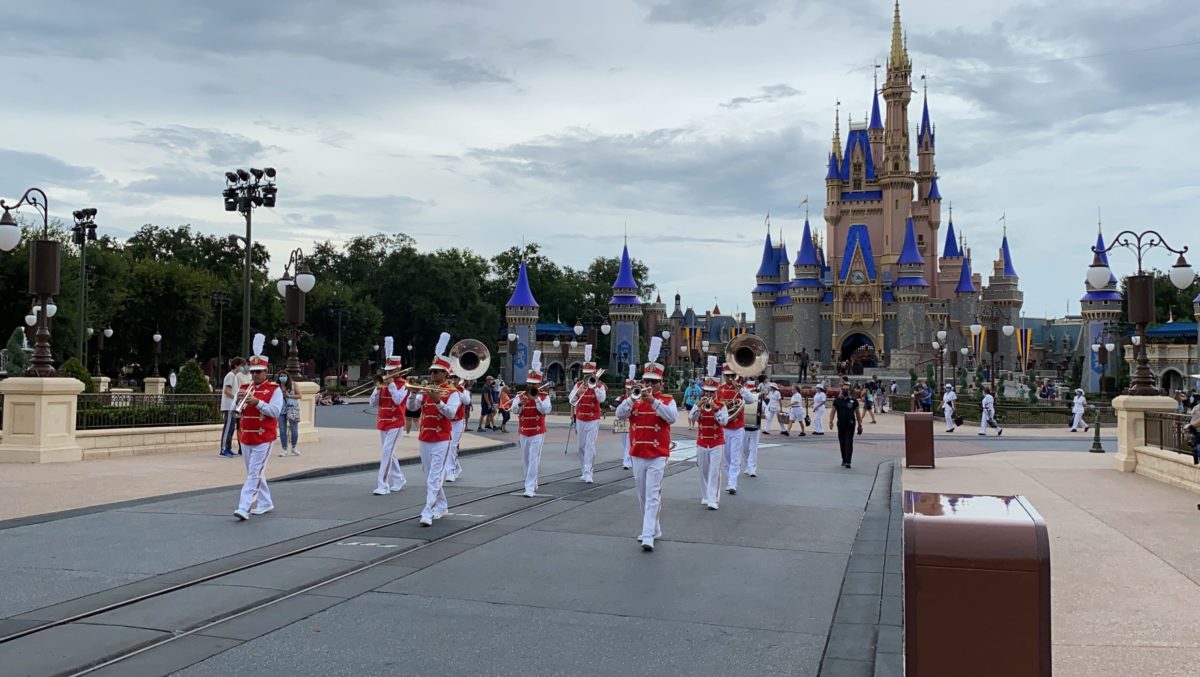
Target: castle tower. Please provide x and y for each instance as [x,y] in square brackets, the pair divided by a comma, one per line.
[625,316]
[807,290]
[521,312]
[766,290]
[675,319]
[654,315]
[949,263]
[1002,291]
[912,293]
[875,130]
[1101,309]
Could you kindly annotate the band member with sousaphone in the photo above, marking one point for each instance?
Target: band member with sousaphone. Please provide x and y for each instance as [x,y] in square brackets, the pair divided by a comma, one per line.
[650,414]
[391,398]
[531,408]
[709,416]
[586,398]
[439,403]
[258,406]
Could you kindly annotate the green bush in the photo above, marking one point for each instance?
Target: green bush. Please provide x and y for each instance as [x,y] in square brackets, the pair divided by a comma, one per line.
[73,368]
[89,417]
[18,360]
[191,380]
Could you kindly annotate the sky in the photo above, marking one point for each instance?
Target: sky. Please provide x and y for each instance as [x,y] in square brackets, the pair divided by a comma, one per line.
[485,123]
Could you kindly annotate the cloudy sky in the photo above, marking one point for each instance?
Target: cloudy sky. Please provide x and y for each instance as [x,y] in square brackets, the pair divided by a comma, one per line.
[481,122]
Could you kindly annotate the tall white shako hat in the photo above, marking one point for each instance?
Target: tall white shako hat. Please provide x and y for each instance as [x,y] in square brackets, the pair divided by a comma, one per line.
[727,370]
[393,361]
[440,361]
[258,361]
[711,382]
[652,370]
[630,382]
[589,367]
[535,369]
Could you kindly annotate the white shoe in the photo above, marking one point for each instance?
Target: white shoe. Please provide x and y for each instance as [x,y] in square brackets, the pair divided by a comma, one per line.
[262,511]
[529,494]
[648,544]
[242,515]
[381,492]
[284,453]
[451,478]
[712,506]
[439,515]
[294,452]
[400,486]
[731,490]
[426,521]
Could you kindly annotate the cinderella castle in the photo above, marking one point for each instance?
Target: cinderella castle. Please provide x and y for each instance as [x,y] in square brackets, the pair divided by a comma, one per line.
[874,291]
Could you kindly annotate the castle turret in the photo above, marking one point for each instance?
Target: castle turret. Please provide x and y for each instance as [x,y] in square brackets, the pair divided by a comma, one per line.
[766,290]
[807,290]
[521,312]
[1101,310]
[1003,292]
[911,291]
[875,130]
[949,263]
[625,315]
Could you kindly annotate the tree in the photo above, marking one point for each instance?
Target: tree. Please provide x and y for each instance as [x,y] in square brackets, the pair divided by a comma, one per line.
[73,368]
[18,360]
[1169,301]
[191,379]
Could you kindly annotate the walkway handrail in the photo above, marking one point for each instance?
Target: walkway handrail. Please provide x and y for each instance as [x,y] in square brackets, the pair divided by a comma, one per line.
[1168,431]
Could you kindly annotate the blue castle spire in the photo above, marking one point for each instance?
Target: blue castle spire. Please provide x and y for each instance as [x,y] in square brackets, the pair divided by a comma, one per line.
[833,167]
[951,248]
[625,275]
[934,193]
[965,284]
[926,127]
[876,122]
[1009,271]
[522,295]
[770,263]
[909,254]
[807,256]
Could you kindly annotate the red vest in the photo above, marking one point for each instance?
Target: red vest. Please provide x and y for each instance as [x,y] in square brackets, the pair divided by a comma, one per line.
[649,435]
[391,414]
[461,414]
[588,407]
[254,428]
[531,422]
[710,433]
[727,393]
[434,426]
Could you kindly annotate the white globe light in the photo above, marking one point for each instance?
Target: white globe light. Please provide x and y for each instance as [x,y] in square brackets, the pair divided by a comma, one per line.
[108,332]
[173,379]
[306,281]
[963,350]
[410,346]
[1137,340]
[51,309]
[1008,329]
[90,331]
[1098,274]
[975,329]
[1095,347]
[556,343]
[275,342]
[683,350]
[157,337]
[666,334]
[578,329]
[941,335]
[936,345]
[281,287]
[574,343]
[1182,274]
[31,319]
[704,345]
[605,328]
[512,337]
[10,237]
[1110,347]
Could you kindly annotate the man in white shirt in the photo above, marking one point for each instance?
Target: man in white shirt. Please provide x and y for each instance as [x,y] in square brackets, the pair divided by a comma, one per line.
[948,400]
[229,388]
[988,413]
[1078,406]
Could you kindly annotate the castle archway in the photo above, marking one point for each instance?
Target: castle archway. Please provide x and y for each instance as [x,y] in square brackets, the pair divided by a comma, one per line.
[858,350]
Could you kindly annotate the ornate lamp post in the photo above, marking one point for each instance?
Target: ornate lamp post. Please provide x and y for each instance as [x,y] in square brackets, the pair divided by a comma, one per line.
[245,190]
[1102,351]
[157,351]
[512,356]
[1140,293]
[83,231]
[44,261]
[992,315]
[220,301]
[410,355]
[107,332]
[292,289]
[593,319]
[340,313]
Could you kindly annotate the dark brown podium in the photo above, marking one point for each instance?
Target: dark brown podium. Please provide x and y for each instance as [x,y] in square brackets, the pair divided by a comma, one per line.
[918,440]
[976,586]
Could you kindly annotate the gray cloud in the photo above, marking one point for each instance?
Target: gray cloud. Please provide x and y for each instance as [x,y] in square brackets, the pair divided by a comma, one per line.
[210,146]
[768,94]
[18,168]
[674,170]
[708,13]
[351,213]
[175,181]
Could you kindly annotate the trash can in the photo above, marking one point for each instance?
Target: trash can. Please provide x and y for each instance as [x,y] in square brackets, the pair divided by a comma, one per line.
[918,440]
[976,583]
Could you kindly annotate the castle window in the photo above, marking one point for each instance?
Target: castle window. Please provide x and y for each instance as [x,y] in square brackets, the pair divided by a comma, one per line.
[921,242]
[896,166]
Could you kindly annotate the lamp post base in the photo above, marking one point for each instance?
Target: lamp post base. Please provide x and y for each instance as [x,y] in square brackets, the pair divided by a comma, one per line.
[1097,448]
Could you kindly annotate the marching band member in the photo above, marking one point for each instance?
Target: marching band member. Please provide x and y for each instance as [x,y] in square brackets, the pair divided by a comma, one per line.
[389,420]
[438,409]
[773,408]
[531,408]
[734,428]
[650,417]
[1078,406]
[948,401]
[258,428]
[818,419]
[587,400]
[710,416]
[796,411]
[453,467]
[627,460]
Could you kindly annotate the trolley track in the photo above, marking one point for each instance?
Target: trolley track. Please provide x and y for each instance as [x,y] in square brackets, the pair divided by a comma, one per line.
[344,532]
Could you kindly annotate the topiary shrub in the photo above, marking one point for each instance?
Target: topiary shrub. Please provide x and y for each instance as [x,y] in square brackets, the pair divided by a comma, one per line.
[191,379]
[73,368]
[18,359]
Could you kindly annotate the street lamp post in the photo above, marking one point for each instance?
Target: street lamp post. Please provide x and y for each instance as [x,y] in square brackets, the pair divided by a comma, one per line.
[292,289]
[107,332]
[410,355]
[245,190]
[1140,293]
[157,351]
[339,312]
[220,301]
[84,231]
[992,315]
[44,261]
[512,356]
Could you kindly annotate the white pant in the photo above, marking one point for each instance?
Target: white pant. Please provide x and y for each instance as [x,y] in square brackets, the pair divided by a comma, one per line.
[949,412]
[255,489]
[648,475]
[731,458]
[453,468]
[986,418]
[586,432]
[433,462]
[531,457]
[750,451]
[772,418]
[1079,422]
[626,460]
[390,477]
[818,420]
[709,463]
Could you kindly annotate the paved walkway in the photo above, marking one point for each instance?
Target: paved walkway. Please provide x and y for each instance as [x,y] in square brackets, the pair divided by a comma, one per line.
[1125,557]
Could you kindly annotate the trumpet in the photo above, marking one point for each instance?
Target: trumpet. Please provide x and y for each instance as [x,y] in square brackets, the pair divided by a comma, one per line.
[594,380]
[241,403]
[707,404]
[635,392]
[377,382]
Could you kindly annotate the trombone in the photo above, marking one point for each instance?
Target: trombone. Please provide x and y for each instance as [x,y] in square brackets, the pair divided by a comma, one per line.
[469,359]
[376,382]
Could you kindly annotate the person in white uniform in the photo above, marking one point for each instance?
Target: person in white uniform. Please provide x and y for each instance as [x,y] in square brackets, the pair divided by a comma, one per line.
[735,427]
[773,408]
[438,409]
[988,413]
[818,418]
[390,400]
[710,417]
[530,408]
[627,460]
[586,401]
[1078,406]
[949,397]
[258,428]
[795,412]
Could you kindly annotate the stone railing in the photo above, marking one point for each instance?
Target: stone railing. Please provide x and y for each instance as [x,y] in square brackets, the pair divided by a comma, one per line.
[1151,441]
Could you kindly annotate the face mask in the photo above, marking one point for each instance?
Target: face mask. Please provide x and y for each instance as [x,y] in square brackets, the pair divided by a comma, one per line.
[283,379]
[243,369]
